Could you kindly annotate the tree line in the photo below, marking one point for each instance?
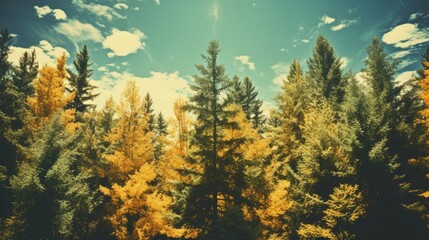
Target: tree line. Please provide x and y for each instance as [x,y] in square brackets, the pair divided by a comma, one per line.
[337,158]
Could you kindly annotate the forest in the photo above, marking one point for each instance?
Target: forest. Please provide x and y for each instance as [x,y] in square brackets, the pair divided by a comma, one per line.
[337,158]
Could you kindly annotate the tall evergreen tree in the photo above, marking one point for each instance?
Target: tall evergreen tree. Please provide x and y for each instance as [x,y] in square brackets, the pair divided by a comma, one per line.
[324,69]
[378,171]
[79,83]
[25,73]
[222,179]
[52,198]
[149,111]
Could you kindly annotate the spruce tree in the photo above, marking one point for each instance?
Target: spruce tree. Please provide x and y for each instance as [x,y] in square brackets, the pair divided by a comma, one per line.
[222,178]
[51,197]
[324,69]
[379,169]
[79,83]
[149,111]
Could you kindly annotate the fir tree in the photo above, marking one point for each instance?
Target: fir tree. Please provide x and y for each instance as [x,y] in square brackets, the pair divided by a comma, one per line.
[79,83]
[149,111]
[324,70]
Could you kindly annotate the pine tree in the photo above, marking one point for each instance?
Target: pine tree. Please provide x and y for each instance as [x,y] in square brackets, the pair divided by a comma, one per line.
[160,132]
[79,83]
[222,180]
[25,73]
[8,112]
[149,111]
[324,69]
[161,125]
[52,198]
[380,168]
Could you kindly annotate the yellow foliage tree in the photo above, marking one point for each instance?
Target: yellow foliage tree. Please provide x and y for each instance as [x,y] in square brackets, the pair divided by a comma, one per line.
[424,95]
[131,144]
[139,209]
[50,94]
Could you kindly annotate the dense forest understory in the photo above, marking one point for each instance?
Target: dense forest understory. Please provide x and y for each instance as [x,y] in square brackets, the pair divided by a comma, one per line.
[337,158]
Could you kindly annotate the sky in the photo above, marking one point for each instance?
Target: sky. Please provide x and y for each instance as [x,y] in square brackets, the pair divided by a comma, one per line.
[158,42]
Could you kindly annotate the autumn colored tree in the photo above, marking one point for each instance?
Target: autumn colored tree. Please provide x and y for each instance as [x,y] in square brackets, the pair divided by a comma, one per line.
[50,94]
[138,209]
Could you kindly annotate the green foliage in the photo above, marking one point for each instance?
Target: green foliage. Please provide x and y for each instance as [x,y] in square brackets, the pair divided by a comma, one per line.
[325,71]
[52,198]
[79,83]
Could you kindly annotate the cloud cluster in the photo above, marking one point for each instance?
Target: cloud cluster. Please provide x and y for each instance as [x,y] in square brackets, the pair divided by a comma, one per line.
[344,62]
[121,6]
[97,9]
[281,71]
[406,35]
[245,61]
[164,88]
[414,16]
[79,32]
[115,42]
[45,10]
[344,24]
[45,52]
[400,54]
[404,77]
[327,19]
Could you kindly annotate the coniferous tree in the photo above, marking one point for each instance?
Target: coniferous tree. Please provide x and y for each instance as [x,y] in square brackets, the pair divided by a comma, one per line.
[79,83]
[138,209]
[52,198]
[160,132]
[25,73]
[149,111]
[222,180]
[379,170]
[50,94]
[324,69]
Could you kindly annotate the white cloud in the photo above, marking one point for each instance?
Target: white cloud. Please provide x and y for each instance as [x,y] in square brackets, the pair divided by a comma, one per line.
[59,14]
[404,77]
[164,88]
[214,11]
[245,60]
[301,29]
[414,16]
[406,35]
[98,9]
[157,2]
[400,54]
[45,10]
[79,32]
[305,40]
[344,24]
[327,19]
[42,11]
[405,63]
[254,4]
[281,71]
[123,43]
[344,62]
[362,79]
[45,53]
[102,69]
[121,6]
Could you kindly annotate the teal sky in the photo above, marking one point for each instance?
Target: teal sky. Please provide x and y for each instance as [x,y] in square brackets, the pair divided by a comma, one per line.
[157,43]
